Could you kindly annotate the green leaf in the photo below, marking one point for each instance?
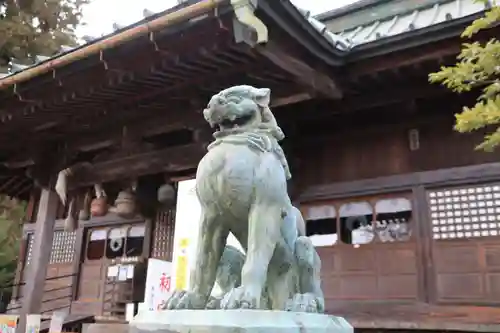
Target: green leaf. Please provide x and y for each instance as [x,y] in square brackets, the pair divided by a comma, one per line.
[37,27]
[477,67]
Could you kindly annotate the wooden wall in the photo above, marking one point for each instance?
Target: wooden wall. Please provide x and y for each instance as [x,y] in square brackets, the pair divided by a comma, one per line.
[381,149]
[447,256]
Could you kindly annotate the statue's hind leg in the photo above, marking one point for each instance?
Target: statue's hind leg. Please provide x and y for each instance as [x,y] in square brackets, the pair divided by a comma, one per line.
[228,274]
[310,296]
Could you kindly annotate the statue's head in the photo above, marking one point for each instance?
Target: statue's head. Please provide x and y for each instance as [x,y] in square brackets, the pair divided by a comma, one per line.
[237,107]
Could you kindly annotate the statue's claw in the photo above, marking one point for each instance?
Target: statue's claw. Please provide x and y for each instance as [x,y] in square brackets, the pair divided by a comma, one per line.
[303,303]
[241,298]
[181,299]
[214,303]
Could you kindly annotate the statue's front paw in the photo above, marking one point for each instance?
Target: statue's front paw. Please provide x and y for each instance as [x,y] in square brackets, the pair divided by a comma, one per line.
[181,299]
[214,303]
[304,303]
[241,298]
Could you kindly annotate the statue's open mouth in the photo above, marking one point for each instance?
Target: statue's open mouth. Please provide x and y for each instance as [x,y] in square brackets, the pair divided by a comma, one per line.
[236,122]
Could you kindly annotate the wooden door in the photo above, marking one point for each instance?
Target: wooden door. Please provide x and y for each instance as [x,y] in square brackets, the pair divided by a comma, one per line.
[103,246]
[92,267]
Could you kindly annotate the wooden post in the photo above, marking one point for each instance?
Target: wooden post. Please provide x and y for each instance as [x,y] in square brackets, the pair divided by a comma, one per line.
[21,266]
[77,263]
[424,250]
[40,256]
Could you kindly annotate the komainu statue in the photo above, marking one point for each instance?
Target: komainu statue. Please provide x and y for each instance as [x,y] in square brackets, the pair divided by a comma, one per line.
[241,184]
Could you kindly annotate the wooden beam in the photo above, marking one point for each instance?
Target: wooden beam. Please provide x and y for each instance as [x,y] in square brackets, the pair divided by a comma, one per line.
[297,98]
[165,160]
[109,219]
[112,134]
[42,246]
[310,78]
[136,128]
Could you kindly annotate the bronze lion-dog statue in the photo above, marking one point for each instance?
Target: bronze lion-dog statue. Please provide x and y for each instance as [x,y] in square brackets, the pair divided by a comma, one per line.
[241,184]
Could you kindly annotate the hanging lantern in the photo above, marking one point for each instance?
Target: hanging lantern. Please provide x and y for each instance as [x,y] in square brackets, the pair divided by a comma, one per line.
[166,196]
[125,204]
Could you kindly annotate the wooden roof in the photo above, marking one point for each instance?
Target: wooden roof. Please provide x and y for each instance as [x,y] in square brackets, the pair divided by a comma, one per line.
[156,83]
[368,20]
[130,103]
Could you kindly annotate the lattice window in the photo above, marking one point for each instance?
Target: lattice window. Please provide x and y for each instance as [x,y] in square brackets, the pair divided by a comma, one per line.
[466,212]
[163,239]
[63,247]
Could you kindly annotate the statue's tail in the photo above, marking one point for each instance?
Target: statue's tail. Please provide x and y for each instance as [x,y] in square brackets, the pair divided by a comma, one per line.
[299,220]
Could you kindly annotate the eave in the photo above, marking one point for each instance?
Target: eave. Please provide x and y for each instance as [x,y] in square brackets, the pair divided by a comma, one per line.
[292,21]
[155,83]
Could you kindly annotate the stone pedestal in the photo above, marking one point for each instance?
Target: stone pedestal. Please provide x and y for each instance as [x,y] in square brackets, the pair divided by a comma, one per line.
[237,321]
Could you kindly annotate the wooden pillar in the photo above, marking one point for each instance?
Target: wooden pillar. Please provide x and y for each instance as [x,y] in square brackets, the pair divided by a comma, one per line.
[40,256]
[21,265]
[424,245]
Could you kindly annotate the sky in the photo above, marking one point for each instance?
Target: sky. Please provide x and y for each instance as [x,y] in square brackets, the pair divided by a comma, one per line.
[100,15]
